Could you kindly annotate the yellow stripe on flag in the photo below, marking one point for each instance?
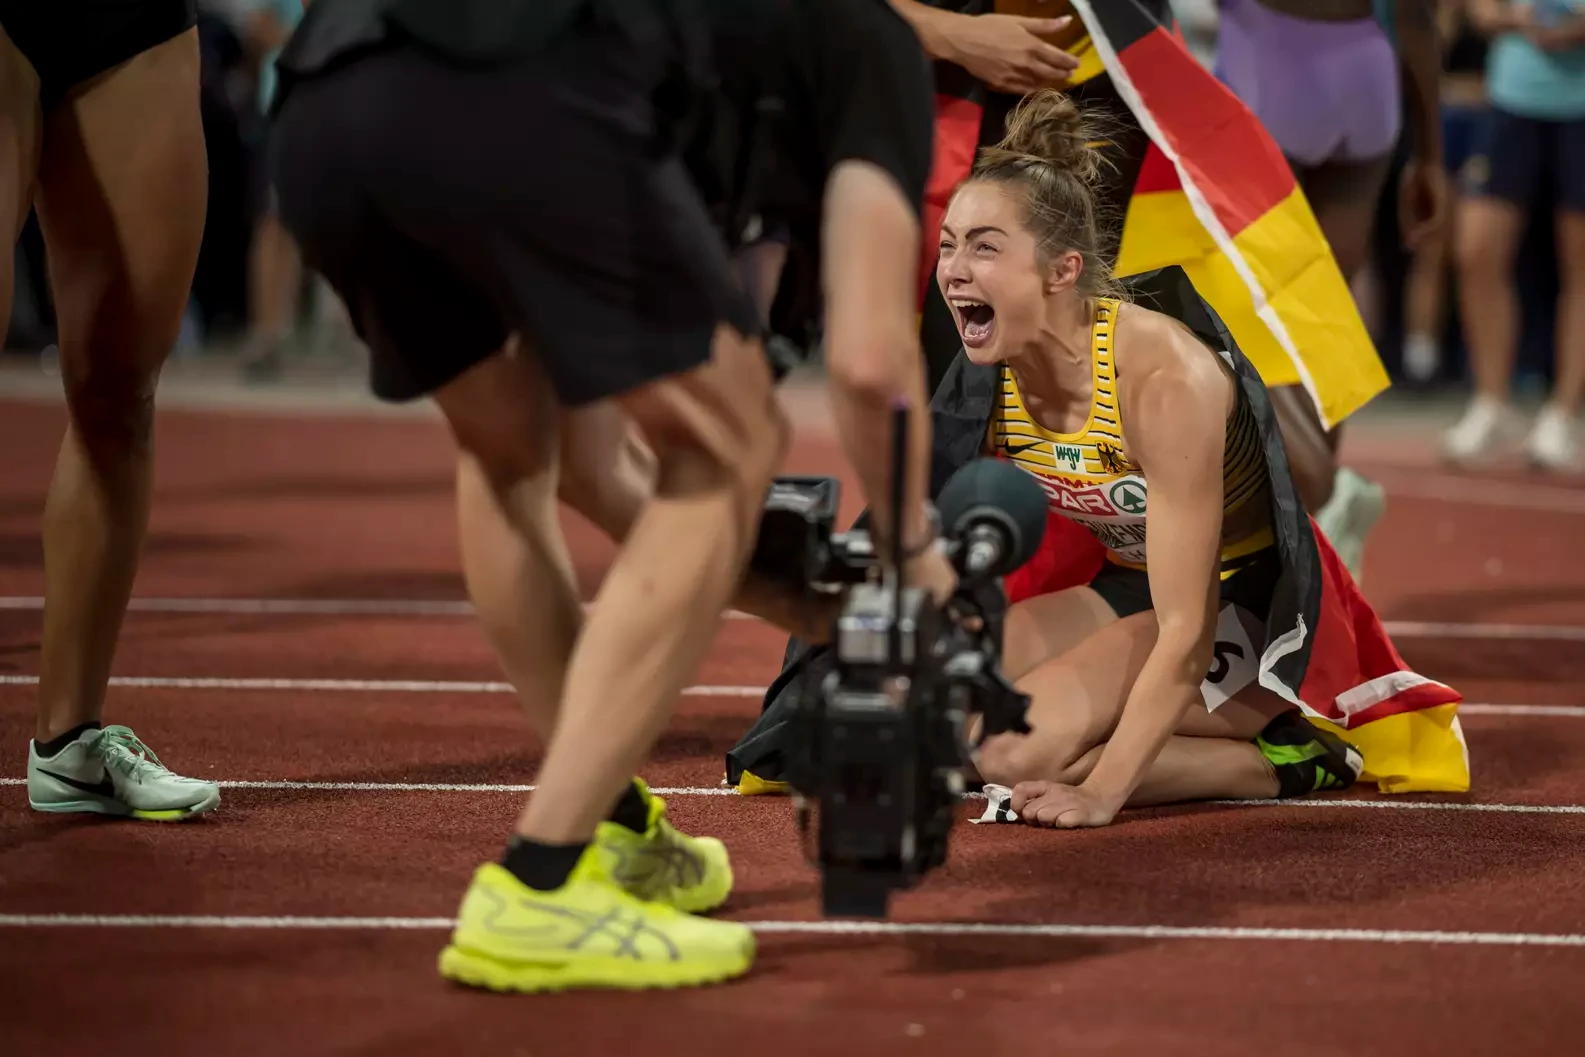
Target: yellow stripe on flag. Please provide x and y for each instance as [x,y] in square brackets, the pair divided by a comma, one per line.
[1411,752]
[1288,259]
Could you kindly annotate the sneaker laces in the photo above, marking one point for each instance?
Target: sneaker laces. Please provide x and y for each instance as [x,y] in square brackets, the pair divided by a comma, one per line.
[119,745]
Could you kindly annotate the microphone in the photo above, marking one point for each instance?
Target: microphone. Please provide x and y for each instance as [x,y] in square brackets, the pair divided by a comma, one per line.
[997,513]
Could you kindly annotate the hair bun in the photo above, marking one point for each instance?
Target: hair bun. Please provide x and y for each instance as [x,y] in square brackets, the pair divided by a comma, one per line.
[1048,125]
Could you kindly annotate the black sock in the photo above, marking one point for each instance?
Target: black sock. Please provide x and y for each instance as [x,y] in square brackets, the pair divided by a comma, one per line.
[541,866]
[49,748]
[631,810]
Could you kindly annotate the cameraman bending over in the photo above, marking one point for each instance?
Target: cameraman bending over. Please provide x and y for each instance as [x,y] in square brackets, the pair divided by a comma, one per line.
[517,269]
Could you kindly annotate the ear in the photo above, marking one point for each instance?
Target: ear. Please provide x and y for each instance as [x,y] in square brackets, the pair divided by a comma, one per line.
[1064,270]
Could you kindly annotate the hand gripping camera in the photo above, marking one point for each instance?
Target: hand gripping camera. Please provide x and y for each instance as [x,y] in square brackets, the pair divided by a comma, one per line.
[878,749]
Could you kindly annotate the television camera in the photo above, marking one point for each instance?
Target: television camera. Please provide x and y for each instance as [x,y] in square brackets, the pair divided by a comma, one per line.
[878,748]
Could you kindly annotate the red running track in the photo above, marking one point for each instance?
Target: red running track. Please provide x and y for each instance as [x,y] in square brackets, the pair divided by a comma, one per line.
[370,784]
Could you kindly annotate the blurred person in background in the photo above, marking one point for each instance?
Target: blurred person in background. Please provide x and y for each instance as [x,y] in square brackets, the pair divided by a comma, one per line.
[275,272]
[1427,284]
[1328,80]
[100,132]
[1534,148]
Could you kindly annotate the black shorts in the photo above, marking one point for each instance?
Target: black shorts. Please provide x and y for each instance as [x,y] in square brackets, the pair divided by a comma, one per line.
[71,41]
[1127,590]
[1241,618]
[450,207]
[1524,160]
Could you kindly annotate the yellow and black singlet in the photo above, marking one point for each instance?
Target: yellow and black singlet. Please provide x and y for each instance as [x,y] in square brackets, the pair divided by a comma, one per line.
[1088,477]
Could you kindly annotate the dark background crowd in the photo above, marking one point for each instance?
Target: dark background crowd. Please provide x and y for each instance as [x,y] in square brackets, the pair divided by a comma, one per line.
[251,306]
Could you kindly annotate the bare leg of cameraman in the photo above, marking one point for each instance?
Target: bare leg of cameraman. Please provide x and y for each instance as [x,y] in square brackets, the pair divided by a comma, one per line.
[717,436]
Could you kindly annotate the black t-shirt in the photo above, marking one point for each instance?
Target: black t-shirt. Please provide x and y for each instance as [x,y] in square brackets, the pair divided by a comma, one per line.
[825,81]
[782,91]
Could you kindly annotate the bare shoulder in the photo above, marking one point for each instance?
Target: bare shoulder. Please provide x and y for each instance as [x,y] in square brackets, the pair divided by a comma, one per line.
[1163,366]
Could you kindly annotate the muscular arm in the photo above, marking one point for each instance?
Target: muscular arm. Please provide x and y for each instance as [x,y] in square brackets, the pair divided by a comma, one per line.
[1175,415]
[870,234]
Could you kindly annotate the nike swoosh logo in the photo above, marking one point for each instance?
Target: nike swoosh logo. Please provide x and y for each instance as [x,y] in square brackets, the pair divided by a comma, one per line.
[1019,449]
[104,787]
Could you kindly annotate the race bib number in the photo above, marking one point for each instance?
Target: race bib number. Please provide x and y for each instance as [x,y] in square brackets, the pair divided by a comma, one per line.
[1235,661]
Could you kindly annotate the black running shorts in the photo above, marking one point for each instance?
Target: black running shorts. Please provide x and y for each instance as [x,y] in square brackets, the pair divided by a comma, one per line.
[72,41]
[450,207]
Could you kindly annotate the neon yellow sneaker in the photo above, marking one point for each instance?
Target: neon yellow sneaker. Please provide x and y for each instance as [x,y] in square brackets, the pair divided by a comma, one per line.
[665,865]
[589,933]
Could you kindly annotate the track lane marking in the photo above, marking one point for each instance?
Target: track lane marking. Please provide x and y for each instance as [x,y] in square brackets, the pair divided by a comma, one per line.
[304,785]
[845,928]
[1403,629]
[470,686]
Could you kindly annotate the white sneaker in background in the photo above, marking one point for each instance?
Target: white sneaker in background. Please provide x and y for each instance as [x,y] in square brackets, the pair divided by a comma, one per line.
[1422,357]
[1551,444]
[1356,505]
[1487,425]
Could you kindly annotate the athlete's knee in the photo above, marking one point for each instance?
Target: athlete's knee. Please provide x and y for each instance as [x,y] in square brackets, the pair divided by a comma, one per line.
[503,415]
[1482,250]
[716,426]
[111,405]
[1048,755]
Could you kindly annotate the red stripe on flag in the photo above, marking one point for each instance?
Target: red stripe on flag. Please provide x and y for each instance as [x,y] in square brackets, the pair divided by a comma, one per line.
[1224,149]
[1156,173]
[957,139]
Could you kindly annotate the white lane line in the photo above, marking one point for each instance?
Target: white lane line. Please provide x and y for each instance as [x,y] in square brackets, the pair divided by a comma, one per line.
[464,686]
[242,606]
[722,790]
[1404,629]
[1446,488]
[1420,629]
[1572,711]
[392,607]
[412,686]
[845,928]
[425,787]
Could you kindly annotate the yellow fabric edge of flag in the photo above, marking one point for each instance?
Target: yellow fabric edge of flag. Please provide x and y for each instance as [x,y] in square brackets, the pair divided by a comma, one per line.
[751,784]
[1411,752]
[1306,291]
[1090,64]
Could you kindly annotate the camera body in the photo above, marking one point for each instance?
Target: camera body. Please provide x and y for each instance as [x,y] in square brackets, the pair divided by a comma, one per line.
[879,747]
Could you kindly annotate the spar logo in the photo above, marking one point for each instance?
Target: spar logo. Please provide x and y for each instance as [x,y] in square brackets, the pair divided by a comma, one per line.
[1128,495]
[1080,500]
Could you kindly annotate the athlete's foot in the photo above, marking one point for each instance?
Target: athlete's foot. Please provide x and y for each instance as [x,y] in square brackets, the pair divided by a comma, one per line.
[1356,505]
[1487,426]
[665,865]
[111,772]
[1306,758]
[589,933]
[1551,444]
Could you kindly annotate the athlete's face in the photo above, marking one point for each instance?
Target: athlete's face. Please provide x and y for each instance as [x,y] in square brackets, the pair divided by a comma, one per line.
[991,274]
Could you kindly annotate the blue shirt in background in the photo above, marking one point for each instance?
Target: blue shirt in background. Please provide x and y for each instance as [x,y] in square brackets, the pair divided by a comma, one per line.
[289,12]
[1525,80]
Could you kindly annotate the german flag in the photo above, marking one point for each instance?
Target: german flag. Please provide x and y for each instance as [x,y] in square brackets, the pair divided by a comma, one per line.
[1202,185]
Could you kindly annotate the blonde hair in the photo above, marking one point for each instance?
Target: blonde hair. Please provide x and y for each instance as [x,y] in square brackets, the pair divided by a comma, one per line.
[1049,157]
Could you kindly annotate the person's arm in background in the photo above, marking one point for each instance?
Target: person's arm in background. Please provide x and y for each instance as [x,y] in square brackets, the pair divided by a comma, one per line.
[1007,52]
[1491,17]
[1559,32]
[1423,196]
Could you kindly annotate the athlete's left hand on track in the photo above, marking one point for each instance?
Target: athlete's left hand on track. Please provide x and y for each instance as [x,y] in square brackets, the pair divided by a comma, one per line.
[1423,201]
[1061,806]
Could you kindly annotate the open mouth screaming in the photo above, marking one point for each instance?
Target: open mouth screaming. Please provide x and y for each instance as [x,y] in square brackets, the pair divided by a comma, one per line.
[976,322]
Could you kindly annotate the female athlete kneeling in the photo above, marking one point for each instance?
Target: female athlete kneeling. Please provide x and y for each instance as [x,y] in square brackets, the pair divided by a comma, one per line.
[1117,409]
